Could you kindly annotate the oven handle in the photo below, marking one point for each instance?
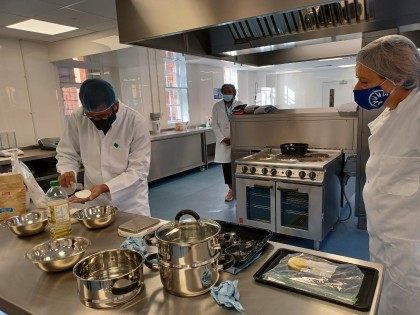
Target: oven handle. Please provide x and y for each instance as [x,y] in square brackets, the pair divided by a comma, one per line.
[263,187]
[285,189]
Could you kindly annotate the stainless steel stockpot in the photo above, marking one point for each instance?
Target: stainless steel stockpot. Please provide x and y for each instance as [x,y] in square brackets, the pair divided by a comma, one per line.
[109,278]
[188,254]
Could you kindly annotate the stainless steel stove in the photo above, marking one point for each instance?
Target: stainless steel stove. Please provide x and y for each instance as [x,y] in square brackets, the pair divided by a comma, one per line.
[292,195]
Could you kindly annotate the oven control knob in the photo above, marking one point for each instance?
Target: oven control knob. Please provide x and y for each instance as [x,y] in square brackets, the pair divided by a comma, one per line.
[273,172]
[244,169]
[264,171]
[302,174]
[312,175]
[253,170]
[288,173]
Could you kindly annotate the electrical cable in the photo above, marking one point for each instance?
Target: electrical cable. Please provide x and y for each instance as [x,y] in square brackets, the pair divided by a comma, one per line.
[347,203]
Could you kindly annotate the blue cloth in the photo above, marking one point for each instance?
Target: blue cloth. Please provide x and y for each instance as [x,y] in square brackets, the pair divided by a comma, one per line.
[227,294]
[250,261]
[135,243]
[96,95]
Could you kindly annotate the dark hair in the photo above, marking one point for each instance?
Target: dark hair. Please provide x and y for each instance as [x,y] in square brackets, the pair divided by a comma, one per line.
[231,86]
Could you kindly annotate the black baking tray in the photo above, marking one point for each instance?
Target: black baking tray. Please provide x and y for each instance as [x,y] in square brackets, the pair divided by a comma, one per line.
[246,233]
[365,296]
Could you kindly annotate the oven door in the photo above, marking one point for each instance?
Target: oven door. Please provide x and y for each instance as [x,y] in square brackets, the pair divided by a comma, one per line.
[255,203]
[299,210]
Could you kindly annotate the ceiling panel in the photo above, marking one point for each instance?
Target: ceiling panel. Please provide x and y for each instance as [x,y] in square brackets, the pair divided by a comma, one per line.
[7,19]
[104,8]
[28,8]
[51,38]
[76,33]
[73,18]
[63,3]
[104,26]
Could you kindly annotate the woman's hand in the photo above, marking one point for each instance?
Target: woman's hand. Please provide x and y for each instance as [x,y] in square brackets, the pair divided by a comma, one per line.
[96,191]
[66,179]
[226,141]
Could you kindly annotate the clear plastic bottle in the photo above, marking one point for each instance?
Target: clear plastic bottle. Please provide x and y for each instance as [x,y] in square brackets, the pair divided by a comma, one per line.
[59,212]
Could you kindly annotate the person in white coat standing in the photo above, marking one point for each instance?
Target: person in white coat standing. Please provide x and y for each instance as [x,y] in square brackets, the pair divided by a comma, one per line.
[222,112]
[388,71]
[113,143]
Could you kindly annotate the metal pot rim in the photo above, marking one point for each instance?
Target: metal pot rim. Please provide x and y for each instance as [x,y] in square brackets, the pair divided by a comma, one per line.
[101,252]
[8,220]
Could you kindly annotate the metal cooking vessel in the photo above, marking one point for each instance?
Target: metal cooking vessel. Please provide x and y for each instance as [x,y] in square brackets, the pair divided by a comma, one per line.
[58,255]
[294,148]
[27,224]
[96,217]
[188,254]
[109,278]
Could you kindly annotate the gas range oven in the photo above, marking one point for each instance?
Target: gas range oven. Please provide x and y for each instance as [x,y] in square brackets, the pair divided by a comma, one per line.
[292,195]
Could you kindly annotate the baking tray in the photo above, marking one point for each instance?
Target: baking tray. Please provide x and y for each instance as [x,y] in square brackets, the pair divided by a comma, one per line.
[246,233]
[365,296]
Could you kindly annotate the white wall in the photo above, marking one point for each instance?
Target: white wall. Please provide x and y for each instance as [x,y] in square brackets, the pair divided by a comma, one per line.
[28,92]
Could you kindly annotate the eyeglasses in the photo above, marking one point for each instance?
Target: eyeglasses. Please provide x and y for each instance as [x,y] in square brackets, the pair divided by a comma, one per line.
[101,116]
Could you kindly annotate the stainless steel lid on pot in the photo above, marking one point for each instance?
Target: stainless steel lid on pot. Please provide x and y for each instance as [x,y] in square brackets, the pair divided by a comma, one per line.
[187,231]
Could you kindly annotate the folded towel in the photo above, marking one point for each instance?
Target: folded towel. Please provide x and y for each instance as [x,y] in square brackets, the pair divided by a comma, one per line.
[265,109]
[227,294]
[347,108]
[250,261]
[135,243]
[250,109]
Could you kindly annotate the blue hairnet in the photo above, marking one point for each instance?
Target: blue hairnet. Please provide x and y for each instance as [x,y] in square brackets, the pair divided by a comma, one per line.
[96,95]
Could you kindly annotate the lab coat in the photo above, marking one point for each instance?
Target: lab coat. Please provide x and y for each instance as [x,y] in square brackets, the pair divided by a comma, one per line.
[120,159]
[392,199]
[221,128]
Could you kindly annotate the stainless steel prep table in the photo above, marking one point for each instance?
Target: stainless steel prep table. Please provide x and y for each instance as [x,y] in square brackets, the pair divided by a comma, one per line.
[26,289]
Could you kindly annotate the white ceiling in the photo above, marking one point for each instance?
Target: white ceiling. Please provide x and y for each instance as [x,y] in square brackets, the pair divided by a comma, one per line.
[88,15]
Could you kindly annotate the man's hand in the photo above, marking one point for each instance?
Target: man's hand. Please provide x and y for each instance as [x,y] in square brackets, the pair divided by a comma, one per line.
[96,191]
[226,141]
[66,179]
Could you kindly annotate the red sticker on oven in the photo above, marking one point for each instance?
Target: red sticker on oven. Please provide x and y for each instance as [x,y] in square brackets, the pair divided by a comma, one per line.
[241,220]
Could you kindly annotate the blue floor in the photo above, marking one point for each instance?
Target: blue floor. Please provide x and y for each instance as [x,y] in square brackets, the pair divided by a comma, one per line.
[204,191]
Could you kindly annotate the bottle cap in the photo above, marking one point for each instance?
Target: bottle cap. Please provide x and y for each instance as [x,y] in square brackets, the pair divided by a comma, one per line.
[54,183]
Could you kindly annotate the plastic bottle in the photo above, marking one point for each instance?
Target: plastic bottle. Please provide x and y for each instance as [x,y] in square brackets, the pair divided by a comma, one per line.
[59,212]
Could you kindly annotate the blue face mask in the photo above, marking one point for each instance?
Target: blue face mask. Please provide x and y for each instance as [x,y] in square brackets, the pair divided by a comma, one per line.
[372,98]
[227,98]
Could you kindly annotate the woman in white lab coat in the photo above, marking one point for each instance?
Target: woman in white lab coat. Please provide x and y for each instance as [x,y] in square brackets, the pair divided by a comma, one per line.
[113,143]
[222,112]
[388,71]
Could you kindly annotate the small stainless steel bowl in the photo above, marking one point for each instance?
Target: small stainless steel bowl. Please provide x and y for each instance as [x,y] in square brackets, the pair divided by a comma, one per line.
[27,224]
[96,217]
[58,255]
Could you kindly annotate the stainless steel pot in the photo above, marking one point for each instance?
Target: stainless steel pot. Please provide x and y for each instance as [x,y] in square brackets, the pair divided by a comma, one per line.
[109,278]
[188,254]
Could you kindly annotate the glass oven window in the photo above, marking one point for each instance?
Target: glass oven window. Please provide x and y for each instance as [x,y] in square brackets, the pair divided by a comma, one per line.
[258,205]
[294,209]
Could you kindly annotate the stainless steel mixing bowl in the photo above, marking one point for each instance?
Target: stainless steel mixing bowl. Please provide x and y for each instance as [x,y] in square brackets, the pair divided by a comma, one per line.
[96,217]
[27,224]
[58,255]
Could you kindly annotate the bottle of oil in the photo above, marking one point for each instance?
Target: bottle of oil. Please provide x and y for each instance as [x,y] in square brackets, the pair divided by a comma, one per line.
[58,211]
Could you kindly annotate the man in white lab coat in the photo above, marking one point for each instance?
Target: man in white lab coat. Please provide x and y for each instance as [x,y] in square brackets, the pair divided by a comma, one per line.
[388,70]
[113,143]
[222,112]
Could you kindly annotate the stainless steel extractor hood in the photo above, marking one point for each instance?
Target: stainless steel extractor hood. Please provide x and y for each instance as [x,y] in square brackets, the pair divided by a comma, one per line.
[256,32]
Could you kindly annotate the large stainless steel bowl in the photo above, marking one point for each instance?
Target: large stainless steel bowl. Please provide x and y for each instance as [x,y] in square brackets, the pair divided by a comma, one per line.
[27,224]
[58,255]
[96,217]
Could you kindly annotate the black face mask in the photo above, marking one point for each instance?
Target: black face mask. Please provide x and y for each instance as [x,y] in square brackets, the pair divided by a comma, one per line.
[105,124]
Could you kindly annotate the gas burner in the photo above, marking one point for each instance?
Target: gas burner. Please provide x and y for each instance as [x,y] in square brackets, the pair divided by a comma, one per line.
[308,157]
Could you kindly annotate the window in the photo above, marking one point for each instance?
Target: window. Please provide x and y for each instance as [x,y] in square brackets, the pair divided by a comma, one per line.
[176,91]
[289,96]
[70,81]
[268,96]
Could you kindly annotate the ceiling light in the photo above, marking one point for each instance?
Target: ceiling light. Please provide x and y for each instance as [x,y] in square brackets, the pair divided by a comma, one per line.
[328,59]
[290,71]
[347,66]
[42,27]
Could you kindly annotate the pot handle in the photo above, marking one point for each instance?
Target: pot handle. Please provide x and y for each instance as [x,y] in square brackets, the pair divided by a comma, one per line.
[226,261]
[148,261]
[125,290]
[148,239]
[187,211]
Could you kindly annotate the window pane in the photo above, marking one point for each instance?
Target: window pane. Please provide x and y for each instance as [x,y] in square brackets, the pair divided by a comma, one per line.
[70,99]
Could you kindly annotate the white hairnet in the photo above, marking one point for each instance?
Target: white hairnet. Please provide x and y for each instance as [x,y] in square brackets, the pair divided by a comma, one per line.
[393,57]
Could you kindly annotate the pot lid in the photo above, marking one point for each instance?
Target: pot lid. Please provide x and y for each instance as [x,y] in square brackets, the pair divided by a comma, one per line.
[188,231]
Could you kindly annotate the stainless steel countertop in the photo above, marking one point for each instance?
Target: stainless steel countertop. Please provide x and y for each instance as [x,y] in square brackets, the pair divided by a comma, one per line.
[26,289]
[30,155]
[172,133]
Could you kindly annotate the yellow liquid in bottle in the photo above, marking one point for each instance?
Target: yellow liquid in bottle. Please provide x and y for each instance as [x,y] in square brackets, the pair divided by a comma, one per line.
[59,219]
